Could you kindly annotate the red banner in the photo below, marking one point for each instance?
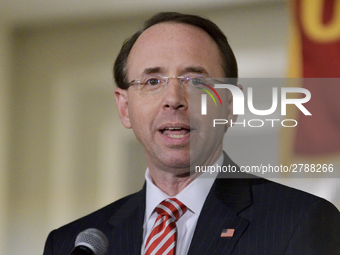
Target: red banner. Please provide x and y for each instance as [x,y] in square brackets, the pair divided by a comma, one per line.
[318,27]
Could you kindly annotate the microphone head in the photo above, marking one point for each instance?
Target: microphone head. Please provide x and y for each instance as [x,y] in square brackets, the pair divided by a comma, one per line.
[94,240]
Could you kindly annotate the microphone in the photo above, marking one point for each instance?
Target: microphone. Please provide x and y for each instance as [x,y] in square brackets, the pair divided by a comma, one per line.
[90,242]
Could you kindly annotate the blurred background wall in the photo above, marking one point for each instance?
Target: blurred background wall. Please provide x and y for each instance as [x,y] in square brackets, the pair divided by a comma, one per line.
[63,151]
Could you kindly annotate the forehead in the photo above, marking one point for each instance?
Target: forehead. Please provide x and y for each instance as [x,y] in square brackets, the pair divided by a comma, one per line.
[172,47]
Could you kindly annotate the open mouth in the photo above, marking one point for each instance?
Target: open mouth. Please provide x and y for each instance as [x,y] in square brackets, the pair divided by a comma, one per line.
[175,132]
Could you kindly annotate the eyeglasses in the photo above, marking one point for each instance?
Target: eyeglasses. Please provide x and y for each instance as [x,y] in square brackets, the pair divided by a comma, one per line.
[156,83]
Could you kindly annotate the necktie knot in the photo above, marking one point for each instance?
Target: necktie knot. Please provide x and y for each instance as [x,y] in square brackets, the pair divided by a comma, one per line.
[172,208]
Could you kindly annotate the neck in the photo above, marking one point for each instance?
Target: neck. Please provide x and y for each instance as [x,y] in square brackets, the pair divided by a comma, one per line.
[170,183]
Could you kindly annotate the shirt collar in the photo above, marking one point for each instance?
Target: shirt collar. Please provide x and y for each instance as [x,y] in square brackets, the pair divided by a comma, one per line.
[199,189]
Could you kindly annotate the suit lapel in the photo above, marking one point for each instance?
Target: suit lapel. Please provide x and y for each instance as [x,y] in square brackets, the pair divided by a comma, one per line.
[127,225]
[226,199]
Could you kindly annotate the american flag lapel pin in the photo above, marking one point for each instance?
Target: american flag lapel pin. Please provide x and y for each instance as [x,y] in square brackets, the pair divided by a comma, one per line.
[228,232]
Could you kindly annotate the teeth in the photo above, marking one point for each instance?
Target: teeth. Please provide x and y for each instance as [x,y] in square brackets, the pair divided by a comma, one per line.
[176,136]
[175,132]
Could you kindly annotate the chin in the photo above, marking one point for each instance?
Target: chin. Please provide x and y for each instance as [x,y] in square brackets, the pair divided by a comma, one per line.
[178,161]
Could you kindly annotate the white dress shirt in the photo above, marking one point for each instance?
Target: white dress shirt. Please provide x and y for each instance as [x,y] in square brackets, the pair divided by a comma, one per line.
[193,197]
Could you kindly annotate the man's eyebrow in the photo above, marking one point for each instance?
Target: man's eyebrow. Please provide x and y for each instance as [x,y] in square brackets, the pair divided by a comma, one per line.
[196,69]
[152,70]
[189,69]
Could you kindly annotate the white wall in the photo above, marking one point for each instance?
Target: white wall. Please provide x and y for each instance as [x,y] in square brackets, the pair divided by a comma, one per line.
[4,128]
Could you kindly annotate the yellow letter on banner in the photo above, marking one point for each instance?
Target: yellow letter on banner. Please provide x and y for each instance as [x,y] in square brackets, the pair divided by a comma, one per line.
[312,12]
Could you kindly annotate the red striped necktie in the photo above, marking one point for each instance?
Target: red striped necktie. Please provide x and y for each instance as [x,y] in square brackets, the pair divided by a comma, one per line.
[162,239]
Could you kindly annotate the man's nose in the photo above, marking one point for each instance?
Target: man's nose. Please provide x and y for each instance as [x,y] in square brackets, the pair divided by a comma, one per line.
[175,96]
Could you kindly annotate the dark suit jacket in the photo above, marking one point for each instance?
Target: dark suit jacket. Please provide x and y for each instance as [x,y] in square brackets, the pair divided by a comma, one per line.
[268,218]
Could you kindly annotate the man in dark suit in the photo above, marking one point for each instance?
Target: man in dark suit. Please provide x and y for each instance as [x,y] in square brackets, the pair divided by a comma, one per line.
[154,71]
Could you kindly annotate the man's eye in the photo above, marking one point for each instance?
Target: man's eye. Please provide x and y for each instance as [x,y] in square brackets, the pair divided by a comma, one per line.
[152,82]
[197,81]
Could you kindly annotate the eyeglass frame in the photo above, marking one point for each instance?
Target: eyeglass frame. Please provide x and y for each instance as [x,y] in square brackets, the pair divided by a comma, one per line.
[166,79]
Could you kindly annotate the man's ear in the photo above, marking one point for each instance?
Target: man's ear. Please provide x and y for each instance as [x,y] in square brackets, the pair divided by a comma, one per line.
[122,101]
[231,116]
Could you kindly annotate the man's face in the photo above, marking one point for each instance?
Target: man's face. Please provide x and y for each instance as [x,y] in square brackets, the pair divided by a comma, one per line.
[162,122]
